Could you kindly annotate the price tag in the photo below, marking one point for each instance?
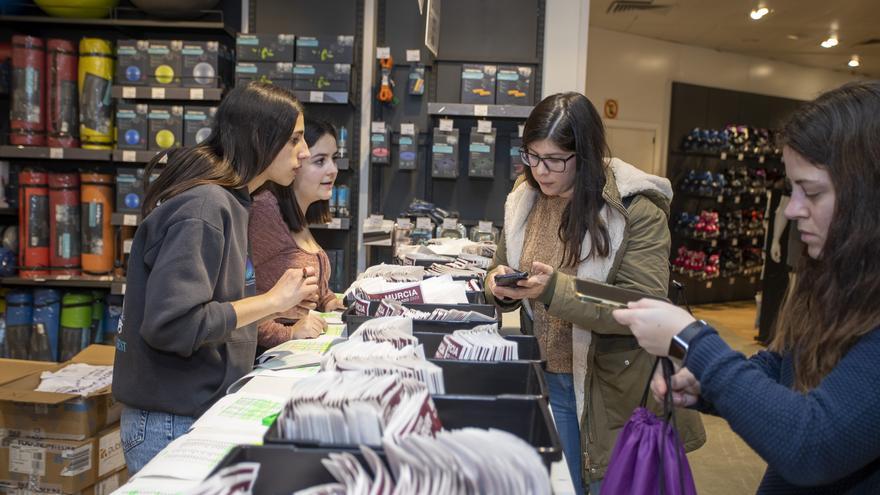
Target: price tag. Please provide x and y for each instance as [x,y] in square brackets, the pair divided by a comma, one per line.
[741,157]
[446,125]
[709,284]
[122,289]
[414,55]
[129,220]
[196,94]
[731,281]
[736,200]
[761,159]
[450,223]
[408,129]
[404,223]
[56,153]
[129,156]
[484,126]
[520,129]
[724,155]
[129,92]
[485,225]
[753,280]
[754,241]
[383,51]
[424,223]
[316,97]
[735,242]
[757,199]
[720,198]
[481,110]
[126,246]
[714,242]
[157,93]
[377,127]
[63,277]
[336,223]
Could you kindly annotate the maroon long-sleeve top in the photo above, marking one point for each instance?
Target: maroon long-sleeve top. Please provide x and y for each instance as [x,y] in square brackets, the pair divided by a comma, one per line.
[273,251]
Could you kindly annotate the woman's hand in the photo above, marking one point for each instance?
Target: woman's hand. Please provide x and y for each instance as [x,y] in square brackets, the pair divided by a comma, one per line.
[530,288]
[308,327]
[335,304]
[654,323]
[685,387]
[294,286]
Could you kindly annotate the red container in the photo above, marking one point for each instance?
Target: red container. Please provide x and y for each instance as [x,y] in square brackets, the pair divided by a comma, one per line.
[62,126]
[27,111]
[33,224]
[64,224]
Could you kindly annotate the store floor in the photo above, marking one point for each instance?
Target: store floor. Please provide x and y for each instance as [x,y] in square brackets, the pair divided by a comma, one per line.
[725,465]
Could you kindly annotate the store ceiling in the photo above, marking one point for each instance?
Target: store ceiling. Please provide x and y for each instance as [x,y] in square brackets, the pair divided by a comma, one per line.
[791,32]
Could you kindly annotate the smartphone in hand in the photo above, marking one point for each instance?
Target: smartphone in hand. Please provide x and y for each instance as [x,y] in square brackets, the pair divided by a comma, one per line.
[510,279]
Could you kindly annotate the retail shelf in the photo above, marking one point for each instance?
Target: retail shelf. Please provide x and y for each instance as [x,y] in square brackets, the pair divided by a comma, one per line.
[133,156]
[729,156]
[162,93]
[323,97]
[8,212]
[125,219]
[115,284]
[469,110]
[46,153]
[335,224]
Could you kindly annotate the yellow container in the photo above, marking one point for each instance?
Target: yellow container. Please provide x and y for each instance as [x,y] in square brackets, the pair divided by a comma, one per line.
[95,103]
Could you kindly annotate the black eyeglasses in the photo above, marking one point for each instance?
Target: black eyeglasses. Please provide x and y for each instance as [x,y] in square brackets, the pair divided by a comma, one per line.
[553,164]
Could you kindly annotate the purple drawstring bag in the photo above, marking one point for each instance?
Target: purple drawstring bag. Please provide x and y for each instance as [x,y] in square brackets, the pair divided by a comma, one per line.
[649,458]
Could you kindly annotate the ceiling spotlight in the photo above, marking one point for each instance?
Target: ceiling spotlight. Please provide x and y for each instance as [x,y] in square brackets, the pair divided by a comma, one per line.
[831,42]
[854,61]
[757,14]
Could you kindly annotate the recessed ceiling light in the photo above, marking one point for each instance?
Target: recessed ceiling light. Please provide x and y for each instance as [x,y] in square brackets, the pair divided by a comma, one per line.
[757,14]
[831,42]
[854,61]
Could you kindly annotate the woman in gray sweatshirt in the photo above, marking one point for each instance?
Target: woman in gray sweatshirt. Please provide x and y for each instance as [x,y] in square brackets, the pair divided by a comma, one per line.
[188,328]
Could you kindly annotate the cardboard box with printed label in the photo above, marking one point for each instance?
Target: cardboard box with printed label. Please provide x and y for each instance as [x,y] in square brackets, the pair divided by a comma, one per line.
[104,486]
[24,412]
[13,369]
[60,466]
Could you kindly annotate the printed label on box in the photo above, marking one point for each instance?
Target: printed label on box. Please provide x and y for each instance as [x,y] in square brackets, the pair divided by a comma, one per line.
[80,460]
[110,456]
[26,459]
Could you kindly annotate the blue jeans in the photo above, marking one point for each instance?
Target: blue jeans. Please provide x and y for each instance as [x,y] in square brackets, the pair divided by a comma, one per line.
[564,406]
[145,433]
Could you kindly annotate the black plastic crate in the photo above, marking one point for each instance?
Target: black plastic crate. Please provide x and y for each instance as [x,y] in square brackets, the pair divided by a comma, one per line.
[527,344]
[353,321]
[492,378]
[526,417]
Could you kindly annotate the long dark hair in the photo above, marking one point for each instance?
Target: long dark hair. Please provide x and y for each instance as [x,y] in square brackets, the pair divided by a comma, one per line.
[572,123]
[317,212]
[833,302]
[252,125]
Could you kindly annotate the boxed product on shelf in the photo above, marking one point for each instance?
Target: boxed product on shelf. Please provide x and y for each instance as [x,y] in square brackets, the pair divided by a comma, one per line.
[132,62]
[481,160]
[516,163]
[280,73]
[62,466]
[334,49]
[478,83]
[197,123]
[24,412]
[380,147]
[205,64]
[444,154]
[321,96]
[131,126]
[129,189]
[408,151]
[514,85]
[321,77]
[166,126]
[166,62]
[264,47]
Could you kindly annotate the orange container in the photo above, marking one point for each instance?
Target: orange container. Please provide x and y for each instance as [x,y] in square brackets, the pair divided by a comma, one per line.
[64,223]
[33,223]
[98,243]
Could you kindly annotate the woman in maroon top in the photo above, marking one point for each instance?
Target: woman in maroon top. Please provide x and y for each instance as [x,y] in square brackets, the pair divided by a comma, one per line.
[280,236]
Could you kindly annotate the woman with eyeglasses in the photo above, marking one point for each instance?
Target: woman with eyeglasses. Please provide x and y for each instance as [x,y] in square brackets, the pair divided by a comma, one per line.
[578,213]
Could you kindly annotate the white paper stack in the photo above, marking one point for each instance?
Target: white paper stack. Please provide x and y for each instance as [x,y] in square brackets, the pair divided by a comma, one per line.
[390,307]
[383,358]
[482,343]
[397,331]
[436,290]
[76,378]
[356,408]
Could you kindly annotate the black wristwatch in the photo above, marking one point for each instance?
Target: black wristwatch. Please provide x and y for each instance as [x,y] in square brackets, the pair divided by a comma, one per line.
[679,346]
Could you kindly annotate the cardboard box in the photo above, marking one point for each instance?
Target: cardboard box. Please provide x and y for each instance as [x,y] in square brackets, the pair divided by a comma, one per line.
[514,86]
[132,62]
[131,126]
[197,122]
[24,412]
[280,73]
[264,47]
[205,64]
[321,77]
[61,466]
[478,84]
[166,127]
[332,49]
[13,369]
[166,63]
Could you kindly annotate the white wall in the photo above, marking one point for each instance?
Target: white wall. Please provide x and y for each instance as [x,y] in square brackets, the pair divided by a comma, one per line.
[566,23]
[638,72]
